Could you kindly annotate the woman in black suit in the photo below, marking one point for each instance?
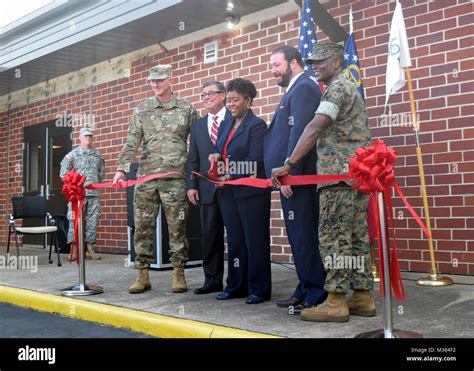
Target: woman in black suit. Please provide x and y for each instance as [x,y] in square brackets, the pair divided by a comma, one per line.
[246,210]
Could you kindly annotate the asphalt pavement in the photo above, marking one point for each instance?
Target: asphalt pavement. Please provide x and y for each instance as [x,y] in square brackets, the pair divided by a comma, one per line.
[18,322]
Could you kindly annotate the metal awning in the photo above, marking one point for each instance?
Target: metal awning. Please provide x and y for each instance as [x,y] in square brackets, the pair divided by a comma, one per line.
[66,35]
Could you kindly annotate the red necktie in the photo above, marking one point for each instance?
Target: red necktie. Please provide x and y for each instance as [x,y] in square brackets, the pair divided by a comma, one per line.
[214,129]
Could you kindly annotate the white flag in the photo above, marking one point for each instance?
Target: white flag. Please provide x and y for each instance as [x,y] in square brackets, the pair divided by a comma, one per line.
[398,54]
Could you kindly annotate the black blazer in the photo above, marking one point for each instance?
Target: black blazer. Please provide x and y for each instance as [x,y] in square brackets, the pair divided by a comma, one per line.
[246,145]
[295,110]
[200,148]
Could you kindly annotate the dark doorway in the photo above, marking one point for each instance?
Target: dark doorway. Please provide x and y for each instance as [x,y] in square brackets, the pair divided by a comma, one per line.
[44,147]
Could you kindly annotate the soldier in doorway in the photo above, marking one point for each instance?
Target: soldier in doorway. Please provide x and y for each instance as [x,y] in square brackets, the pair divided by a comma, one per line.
[90,163]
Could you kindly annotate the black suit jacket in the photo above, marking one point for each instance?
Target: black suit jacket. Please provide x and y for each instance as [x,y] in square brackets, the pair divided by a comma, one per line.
[200,148]
[245,146]
[295,110]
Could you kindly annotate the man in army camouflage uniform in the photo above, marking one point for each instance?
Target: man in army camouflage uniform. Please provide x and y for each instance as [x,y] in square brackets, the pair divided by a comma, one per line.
[339,127]
[161,125]
[89,162]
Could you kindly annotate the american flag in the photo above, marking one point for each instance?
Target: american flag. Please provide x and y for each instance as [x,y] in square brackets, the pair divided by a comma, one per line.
[307,37]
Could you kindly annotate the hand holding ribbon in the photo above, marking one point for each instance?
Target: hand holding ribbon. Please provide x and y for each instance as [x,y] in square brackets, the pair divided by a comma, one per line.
[372,170]
[74,192]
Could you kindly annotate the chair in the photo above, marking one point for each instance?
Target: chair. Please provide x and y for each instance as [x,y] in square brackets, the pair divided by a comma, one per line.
[32,207]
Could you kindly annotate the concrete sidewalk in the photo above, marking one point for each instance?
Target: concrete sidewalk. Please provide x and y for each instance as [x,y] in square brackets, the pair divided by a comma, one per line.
[432,312]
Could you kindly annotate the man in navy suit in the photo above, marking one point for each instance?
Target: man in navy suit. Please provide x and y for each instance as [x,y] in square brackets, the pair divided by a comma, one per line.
[300,204]
[203,139]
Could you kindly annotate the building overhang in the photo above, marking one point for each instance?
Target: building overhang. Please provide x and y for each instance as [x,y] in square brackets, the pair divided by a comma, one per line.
[66,36]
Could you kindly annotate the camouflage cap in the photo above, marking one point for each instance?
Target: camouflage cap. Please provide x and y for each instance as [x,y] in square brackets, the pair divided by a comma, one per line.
[85,131]
[323,50]
[162,71]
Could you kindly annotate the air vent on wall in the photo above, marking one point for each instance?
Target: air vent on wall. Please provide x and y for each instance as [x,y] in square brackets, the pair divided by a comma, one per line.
[211,52]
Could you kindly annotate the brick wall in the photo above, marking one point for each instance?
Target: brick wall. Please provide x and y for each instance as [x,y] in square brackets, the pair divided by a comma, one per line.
[3,175]
[442,56]
[441,46]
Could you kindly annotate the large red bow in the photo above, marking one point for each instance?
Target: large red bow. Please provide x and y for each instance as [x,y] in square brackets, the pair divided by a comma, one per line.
[74,192]
[373,171]
[372,168]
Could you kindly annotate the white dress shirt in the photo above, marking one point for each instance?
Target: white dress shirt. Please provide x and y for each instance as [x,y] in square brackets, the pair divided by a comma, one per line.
[292,81]
[220,117]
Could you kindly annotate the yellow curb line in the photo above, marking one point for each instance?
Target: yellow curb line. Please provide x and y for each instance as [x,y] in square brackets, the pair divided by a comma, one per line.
[144,322]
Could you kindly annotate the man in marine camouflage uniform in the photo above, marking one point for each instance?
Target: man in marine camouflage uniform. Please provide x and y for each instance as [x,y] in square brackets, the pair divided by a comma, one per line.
[341,125]
[161,125]
[89,162]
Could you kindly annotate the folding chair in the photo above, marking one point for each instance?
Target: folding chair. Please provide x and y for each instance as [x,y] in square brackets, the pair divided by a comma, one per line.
[32,207]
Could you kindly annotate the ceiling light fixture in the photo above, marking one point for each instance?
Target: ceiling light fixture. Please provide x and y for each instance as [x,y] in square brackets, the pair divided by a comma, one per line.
[232,21]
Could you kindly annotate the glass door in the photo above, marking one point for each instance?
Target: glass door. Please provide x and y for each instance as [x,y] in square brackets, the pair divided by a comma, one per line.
[59,145]
[44,147]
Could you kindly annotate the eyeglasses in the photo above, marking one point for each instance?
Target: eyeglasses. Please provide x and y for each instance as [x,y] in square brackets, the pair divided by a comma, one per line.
[210,94]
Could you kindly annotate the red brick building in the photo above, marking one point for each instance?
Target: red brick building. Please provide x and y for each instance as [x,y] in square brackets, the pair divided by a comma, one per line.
[441,44]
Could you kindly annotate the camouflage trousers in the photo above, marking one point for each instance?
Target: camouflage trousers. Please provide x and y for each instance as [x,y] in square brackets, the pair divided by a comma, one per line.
[91,219]
[344,238]
[169,193]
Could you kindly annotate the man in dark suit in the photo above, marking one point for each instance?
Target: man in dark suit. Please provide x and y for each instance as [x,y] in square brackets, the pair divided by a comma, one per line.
[201,192]
[300,204]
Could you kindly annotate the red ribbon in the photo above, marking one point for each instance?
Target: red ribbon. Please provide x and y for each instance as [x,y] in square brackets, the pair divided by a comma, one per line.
[371,168]
[129,183]
[296,180]
[373,171]
[74,192]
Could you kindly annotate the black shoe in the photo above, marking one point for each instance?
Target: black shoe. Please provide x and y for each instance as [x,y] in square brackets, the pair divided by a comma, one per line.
[224,296]
[296,310]
[289,302]
[207,289]
[254,299]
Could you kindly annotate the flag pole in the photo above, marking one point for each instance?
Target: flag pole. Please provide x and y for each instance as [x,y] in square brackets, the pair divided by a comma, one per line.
[351,18]
[434,279]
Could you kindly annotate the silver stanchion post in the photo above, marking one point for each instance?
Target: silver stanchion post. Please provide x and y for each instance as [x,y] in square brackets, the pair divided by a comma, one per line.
[388,331]
[82,289]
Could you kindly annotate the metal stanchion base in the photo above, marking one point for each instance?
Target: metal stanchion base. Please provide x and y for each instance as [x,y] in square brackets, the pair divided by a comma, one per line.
[375,276]
[76,290]
[435,280]
[397,334]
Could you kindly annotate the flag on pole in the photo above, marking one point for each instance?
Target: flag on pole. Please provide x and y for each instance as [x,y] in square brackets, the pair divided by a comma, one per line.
[398,54]
[351,61]
[307,38]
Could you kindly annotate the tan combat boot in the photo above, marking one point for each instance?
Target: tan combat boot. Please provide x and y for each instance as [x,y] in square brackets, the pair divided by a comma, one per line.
[362,303]
[90,253]
[179,282]
[334,309]
[142,283]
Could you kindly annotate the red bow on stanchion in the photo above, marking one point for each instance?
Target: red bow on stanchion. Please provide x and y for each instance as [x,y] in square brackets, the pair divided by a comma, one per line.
[74,192]
[372,170]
